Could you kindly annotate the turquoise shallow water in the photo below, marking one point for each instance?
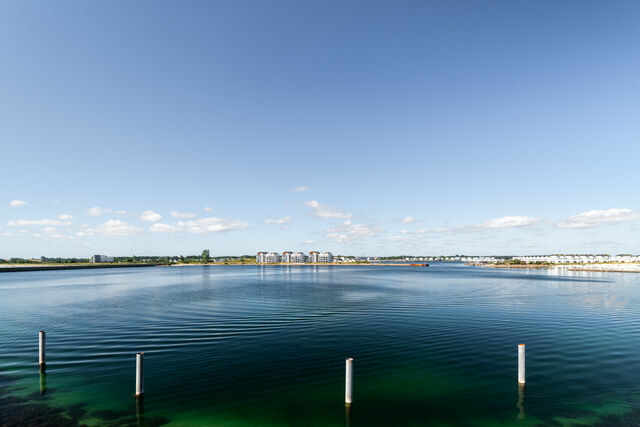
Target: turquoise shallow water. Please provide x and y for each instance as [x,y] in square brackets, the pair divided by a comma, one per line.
[253,345]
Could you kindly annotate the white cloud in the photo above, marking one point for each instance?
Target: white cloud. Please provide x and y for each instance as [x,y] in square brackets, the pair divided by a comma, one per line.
[300,189]
[177,214]
[52,233]
[164,228]
[150,216]
[348,232]
[65,217]
[97,211]
[596,217]
[493,224]
[283,220]
[208,209]
[403,239]
[309,242]
[115,227]
[44,221]
[408,220]
[211,225]
[508,222]
[424,231]
[17,203]
[322,211]
[86,231]
[201,226]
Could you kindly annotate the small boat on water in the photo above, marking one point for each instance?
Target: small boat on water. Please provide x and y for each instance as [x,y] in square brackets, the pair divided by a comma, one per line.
[419,265]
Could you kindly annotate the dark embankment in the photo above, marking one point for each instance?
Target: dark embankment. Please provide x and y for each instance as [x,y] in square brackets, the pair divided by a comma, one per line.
[69,267]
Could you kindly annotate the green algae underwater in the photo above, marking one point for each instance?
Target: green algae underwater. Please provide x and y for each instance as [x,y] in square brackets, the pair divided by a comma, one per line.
[265,345]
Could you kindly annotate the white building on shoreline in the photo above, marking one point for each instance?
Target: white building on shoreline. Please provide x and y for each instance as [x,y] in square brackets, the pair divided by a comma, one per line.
[325,257]
[101,258]
[577,259]
[294,257]
[267,257]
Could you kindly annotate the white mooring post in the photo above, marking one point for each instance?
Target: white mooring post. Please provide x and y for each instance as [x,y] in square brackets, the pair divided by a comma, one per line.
[42,351]
[520,405]
[521,369]
[348,386]
[139,374]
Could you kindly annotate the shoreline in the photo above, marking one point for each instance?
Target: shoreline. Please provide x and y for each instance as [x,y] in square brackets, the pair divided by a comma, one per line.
[7,268]
[4,268]
[316,264]
[508,266]
[596,268]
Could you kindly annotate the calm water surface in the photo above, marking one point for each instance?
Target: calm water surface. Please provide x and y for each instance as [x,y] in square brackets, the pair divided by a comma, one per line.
[251,345]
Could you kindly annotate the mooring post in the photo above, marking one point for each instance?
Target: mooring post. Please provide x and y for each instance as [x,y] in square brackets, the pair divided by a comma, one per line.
[42,352]
[140,410]
[43,382]
[139,374]
[521,369]
[348,389]
[520,405]
[347,415]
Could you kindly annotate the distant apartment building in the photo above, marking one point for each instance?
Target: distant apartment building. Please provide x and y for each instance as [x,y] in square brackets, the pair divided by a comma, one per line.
[577,259]
[101,258]
[294,257]
[267,257]
[325,257]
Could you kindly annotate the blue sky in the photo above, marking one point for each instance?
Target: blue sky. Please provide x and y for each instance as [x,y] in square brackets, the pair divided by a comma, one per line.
[405,127]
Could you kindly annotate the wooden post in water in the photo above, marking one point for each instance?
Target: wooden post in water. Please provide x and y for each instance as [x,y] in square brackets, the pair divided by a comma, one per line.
[139,374]
[42,351]
[348,389]
[521,368]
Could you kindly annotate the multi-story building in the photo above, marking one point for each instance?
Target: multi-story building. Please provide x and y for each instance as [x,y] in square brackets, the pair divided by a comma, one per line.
[325,257]
[267,257]
[577,259]
[101,258]
[294,257]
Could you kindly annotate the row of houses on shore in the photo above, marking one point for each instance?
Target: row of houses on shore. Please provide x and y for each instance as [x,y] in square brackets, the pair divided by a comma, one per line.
[294,257]
[577,259]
